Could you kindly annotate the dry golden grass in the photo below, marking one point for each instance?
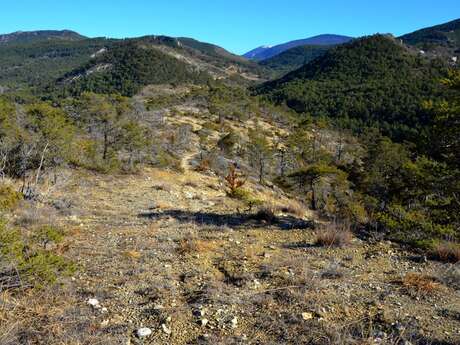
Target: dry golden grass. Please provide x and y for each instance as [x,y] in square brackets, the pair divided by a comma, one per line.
[133,254]
[333,235]
[447,252]
[421,283]
[195,246]
[292,207]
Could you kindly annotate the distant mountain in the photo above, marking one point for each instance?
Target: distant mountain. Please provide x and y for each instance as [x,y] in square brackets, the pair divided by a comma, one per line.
[31,36]
[440,40]
[294,58]
[372,81]
[265,52]
[37,62]
[42,57]
[128,65]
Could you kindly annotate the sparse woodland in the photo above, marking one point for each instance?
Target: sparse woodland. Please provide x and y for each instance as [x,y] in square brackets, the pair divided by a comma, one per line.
[314,209]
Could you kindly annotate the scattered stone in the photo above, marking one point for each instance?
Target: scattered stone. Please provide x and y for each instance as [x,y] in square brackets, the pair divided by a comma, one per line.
[94,303]
[307,316]
[189,195]
[256,284]
[204,322]
[143,332]
[166,329]
[234,322]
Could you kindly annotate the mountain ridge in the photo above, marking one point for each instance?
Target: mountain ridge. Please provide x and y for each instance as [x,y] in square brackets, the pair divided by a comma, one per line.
[38,35]
[441,40]
[266,52]
[361,81]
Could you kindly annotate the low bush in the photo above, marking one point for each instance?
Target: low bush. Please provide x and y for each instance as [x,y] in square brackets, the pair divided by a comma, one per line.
[447,251]
[293,208]
[333,235]
[26,256]
[9,198]
[421,283]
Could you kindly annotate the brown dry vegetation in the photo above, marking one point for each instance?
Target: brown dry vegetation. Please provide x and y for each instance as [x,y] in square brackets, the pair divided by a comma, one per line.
[422,283]
[447,251]
[179,254]
[333,235]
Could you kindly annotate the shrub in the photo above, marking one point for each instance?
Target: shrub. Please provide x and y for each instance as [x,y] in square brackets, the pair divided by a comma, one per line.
[48,234]
[447,251]
[450,276]
[9,198]
[293,208]
[422,283]
[203,165]
[234,181]
[333,235]
[412,227]
[165,159]
[35,265]
[44,267]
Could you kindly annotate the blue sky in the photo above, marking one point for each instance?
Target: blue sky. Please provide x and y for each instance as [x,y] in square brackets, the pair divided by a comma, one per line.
[237,25]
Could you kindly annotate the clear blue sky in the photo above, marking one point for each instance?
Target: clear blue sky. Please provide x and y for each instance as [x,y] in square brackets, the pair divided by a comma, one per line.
[237,25]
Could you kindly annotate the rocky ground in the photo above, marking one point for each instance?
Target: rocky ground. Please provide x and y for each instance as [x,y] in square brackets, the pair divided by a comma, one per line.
[167,258]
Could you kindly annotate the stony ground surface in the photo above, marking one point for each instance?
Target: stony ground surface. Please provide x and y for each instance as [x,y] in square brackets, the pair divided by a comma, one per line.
[170,252]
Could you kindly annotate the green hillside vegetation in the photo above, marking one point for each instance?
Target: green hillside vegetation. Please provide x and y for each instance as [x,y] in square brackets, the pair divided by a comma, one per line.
[294,58]
[445,35]
[128,66]
[42,35]
[43,61]
[373,81]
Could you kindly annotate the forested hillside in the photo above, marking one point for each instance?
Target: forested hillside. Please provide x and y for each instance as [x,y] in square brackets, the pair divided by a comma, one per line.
[442,40]
[42,35]
[43,61]
[42,58]
[373,81]
[128,66]
[294,58]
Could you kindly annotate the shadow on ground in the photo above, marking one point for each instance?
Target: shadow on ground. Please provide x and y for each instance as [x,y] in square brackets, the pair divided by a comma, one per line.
[233,220]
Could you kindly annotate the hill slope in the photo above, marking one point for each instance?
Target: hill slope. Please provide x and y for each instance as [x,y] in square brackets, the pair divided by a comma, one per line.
[33,36]
[443,40]
[36,63]
[126,67]
[373,80]
[41,61]
[265,52]
[294,58]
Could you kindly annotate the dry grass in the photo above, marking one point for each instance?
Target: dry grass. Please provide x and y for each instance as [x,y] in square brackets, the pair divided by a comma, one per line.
[447,252]
[292,207]
[29,214]
[133,254]
[334,235]
[194,246]
[421,283]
